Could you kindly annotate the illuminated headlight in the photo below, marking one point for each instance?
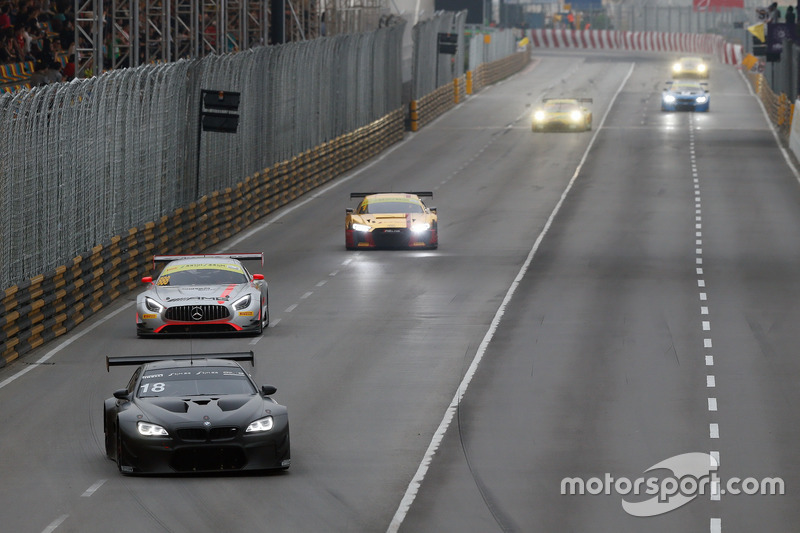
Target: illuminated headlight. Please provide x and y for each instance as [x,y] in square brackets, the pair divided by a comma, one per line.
[419,228]
[669,99]
[538,116]
[361,227]
[262,424]
[242,303]
[676,67]
[576,116]
[701,68]
[151,430]
[702,99]
[153,305]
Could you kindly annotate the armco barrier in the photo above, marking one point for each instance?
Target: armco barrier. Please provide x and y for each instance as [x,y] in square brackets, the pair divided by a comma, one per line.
[645,41]
[432,105]
[51,304]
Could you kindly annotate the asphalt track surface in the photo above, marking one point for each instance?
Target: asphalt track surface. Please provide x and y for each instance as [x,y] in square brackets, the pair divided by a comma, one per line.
[600,302]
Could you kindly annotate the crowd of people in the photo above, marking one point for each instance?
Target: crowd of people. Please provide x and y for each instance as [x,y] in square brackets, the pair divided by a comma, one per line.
[39,32]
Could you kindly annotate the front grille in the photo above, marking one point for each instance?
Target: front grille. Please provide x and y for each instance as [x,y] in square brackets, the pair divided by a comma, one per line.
[197,313]
[391,238]
[208,458]
[203,434]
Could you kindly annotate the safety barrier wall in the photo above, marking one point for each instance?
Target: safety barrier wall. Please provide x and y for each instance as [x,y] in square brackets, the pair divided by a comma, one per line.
[49,305]
[644,41]
[779,107]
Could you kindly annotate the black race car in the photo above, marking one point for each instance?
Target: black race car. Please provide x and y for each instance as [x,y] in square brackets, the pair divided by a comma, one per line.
[194,413]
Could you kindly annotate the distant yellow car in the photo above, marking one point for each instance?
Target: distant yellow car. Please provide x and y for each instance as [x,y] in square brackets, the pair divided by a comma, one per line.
[569,114]
[690,67]
[391,220]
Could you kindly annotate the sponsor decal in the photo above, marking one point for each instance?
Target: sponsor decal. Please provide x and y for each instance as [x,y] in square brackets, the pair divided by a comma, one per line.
[245,313]
[149,316]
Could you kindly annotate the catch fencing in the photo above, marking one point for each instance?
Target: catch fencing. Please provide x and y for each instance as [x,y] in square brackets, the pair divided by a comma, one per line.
[83,161]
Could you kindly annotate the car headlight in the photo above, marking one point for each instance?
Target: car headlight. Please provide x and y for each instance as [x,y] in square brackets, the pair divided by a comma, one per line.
[242,303]
[676,67]
[419,228]
[576,116]
[151,430]
[702,99]
[262,424]
[701,68]
[669,99]
[153,305]
[538,116]
[360,227]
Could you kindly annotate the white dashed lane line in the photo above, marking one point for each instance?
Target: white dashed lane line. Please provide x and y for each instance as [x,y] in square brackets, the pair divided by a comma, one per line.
[705,325]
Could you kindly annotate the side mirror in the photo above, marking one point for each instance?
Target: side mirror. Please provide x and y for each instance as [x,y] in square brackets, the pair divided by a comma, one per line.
[432,209]
[122,394]
[348,210]
[147,279]
[268,390]
[258,276]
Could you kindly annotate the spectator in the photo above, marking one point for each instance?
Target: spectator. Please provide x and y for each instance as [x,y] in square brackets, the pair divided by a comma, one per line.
[5,18]
[773,13]
[790,17]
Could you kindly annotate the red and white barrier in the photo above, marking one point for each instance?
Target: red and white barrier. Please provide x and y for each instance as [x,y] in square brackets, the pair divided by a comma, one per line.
[648,41]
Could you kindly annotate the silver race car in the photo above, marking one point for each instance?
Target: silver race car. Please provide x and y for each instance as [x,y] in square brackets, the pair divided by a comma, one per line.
[203,294]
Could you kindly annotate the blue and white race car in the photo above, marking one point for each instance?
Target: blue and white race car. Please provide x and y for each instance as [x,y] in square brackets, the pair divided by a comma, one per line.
[686,95]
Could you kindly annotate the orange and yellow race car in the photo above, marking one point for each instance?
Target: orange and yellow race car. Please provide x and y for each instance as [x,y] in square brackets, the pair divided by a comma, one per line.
[563,114]
[391,220]
[690,67]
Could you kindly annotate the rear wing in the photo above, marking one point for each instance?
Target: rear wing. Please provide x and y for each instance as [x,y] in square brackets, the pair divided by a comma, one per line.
[257,256]
[135,360]
[416,193]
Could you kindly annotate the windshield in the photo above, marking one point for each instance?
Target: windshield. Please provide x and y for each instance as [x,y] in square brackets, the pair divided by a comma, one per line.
[389,206]
[562,107]
[194,381]
[201,275]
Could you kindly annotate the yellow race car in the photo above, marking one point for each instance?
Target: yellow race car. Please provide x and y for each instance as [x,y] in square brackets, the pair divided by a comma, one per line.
[690,67]
[569,114]
[391,220]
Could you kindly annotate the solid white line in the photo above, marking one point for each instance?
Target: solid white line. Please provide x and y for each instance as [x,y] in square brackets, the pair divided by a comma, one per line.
[65,343]
[55,523]
[419,476]
[91,490]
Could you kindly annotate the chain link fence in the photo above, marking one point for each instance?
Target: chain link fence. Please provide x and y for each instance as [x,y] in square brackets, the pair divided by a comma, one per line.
[83,161]
[650,16]
[430,69]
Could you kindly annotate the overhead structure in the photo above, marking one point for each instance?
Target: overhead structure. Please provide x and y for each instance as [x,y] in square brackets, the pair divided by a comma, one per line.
[151,31]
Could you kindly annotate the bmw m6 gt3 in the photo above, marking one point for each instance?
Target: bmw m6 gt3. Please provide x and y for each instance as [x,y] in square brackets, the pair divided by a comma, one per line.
[686,95]
[203,294]
[391,220]
[194,413]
